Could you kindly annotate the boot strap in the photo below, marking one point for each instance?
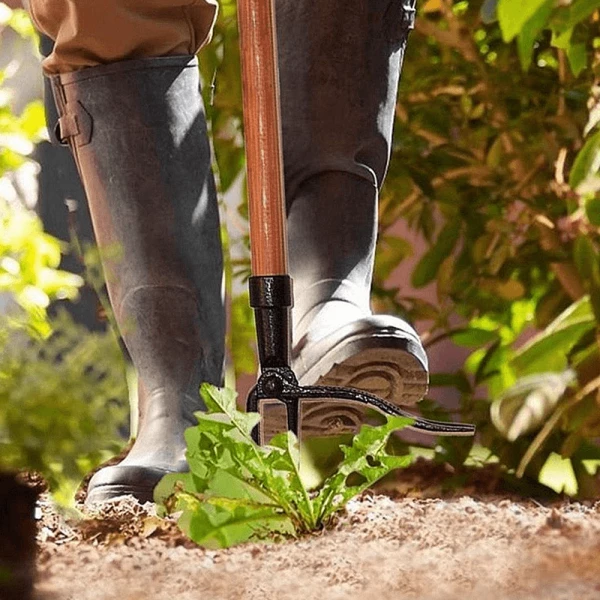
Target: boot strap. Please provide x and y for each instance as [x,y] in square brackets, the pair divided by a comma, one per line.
[75,124]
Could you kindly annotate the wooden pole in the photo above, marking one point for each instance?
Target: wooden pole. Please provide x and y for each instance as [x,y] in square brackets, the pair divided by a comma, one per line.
[262,126]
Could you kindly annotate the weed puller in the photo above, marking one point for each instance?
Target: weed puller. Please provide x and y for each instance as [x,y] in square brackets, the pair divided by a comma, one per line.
[271,294]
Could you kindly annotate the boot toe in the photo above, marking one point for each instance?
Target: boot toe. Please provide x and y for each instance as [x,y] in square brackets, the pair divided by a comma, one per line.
[122,480]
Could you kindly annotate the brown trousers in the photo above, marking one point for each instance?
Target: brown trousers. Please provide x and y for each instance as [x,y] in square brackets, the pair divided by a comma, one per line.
[93,32]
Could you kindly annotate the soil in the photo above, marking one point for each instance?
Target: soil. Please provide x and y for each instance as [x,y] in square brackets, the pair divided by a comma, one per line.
[413,541]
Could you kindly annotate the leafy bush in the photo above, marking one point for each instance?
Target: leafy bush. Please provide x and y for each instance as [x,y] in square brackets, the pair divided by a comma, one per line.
[496,165]
[29,273]
[239,491]
[62,388]
[18,133]
[61,403]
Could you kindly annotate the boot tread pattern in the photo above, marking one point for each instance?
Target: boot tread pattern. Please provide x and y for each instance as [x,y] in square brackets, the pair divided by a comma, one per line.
[392,374]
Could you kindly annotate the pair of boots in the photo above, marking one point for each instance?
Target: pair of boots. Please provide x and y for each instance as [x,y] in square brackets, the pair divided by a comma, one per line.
[138,134]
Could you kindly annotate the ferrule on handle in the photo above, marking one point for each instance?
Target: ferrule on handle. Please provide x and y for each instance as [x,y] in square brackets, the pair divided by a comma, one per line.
[272,299]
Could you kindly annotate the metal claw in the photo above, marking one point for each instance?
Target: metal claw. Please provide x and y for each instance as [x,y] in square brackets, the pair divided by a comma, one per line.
[280,383]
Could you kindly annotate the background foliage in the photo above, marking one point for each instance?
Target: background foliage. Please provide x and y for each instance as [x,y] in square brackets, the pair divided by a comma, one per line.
[496,164]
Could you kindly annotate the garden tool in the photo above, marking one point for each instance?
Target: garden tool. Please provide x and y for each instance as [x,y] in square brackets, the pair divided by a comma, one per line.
[270,286]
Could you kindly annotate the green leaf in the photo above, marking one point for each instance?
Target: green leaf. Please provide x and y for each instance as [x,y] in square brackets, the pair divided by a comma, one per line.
[428,266]
[530,32]
[548,350]
[224,522]
[514,14]
[367,458]
[563,39]
[577,55]
[525,406]
[587,161]
[592,210]
[586,260]
[222,400]
[474,337]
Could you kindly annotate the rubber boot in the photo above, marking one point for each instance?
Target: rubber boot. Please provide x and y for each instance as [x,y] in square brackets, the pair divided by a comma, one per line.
[138,134]
[340,64]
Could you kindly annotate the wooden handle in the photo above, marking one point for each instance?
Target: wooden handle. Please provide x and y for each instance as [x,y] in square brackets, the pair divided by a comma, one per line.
[262,126]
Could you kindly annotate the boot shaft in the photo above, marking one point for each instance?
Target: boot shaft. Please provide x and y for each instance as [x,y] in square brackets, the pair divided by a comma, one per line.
[138,134]
[339,69]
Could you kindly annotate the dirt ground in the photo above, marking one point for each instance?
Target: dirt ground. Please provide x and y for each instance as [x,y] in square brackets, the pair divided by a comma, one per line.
[415,543]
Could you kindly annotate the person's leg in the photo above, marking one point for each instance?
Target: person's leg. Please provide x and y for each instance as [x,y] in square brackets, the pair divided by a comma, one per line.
[137,130]
[87,34]
[339,69]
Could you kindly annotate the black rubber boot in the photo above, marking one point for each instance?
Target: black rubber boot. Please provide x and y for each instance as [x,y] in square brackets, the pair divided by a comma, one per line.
[340,65]
[138,134]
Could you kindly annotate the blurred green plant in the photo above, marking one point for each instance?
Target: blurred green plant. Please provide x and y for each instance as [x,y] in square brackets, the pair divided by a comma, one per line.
[18,133]
[61,403]
[29,273]
[63,390]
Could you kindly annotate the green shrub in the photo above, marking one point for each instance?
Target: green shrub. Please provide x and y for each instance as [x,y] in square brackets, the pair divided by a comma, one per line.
[62,389]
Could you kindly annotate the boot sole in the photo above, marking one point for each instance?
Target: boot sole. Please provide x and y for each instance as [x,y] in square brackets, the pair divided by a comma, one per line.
[124,480]
[380,366]
[105,493]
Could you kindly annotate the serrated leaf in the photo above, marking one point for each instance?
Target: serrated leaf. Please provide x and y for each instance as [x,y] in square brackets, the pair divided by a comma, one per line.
[237,491]
[365,457]
[222,400]
[224,522]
